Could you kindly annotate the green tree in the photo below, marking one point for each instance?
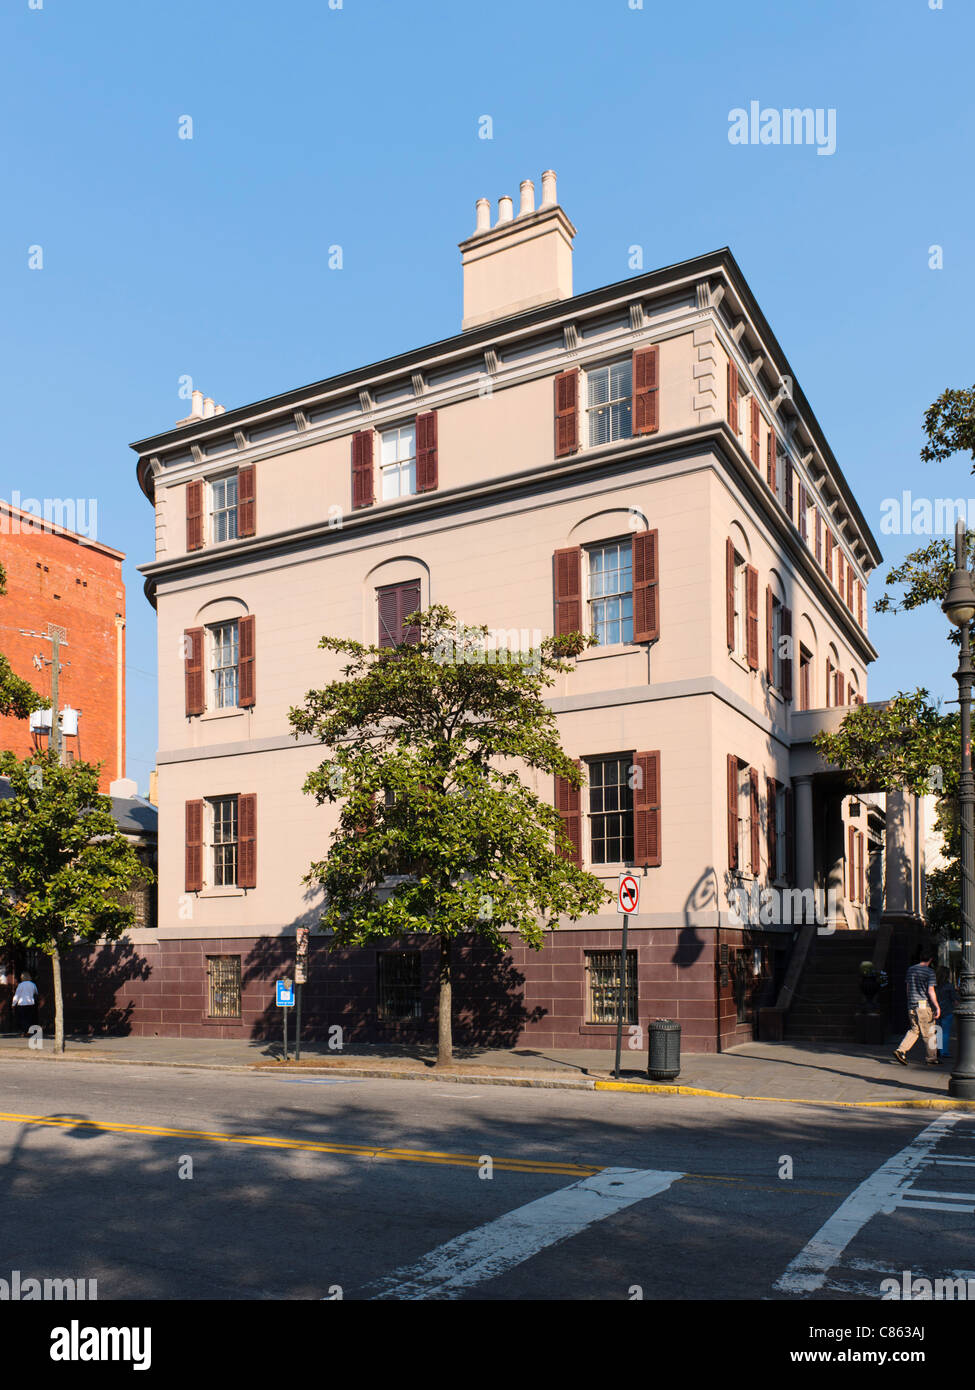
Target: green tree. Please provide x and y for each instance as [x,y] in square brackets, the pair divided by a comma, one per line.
[63,863]
[438,833]
[17,697]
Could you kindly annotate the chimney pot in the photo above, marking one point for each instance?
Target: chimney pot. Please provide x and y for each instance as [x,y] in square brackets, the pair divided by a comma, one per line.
[527,197]
[196,404]
[218,410]
[483,206]
[506,209]
[207,407]
[548,188]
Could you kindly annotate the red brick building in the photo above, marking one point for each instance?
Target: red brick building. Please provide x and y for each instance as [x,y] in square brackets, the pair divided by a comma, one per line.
[55,576]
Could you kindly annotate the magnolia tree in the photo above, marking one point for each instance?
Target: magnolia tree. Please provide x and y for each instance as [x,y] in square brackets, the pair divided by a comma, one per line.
[63,863]
[440,832]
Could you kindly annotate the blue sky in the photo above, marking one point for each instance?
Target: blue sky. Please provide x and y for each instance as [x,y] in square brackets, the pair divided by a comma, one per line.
[358,126]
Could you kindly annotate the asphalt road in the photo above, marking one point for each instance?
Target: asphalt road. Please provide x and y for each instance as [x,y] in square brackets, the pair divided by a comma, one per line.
[493,1193]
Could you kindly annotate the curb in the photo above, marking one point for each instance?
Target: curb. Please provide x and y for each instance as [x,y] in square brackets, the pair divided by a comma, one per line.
[908,1103]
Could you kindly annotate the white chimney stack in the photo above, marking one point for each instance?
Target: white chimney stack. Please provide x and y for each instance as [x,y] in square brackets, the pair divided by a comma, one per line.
[207,407]
[196,406]
[521,262]
[218,410]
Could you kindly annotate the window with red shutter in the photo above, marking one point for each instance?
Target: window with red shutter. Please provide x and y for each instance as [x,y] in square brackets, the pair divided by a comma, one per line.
[567,565]
[646,828]
[646,394]
[771,467]
[830,545]
[566,413]
[194,516]
[755,824]
[789,499]
[194,847]
[733,397]
[732,811]
[787,658]
[568,805]
[859,603]
[395,602]
[771,811]
[819,536]
[751,598]
[363,486]
[756,435]
[246,501]
[646,587]
[193,670]
[247,840]
[245,658]
[427,469]
[770,635]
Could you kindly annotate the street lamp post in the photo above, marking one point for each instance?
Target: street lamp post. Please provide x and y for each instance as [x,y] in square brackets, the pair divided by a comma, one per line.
[959,607]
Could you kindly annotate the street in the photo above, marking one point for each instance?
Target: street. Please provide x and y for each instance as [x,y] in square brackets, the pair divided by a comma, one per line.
[163,1183]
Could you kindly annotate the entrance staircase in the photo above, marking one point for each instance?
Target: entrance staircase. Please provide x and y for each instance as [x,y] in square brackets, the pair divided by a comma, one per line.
[827,996]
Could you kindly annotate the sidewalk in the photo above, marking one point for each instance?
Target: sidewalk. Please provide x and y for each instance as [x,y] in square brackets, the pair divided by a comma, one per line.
[845,1074]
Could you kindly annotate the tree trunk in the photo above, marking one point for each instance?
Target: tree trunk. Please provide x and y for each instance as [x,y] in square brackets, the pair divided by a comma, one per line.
[445,1054]
[58,1003]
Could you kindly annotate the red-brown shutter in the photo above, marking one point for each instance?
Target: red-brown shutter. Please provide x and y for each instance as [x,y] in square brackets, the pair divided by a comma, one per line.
[194,516]
[771,467]
[756,435]
[789,473]
[567,412]
[568,590]
[246,501]
[427,470]
[861,881]
[646,808]
[819,536]
[194,846]
[389,616]
[245,658]
[363,494]
[790,837]
[830,542]
[771,796]
[646,394]
[787,659]
[840,576]
[729,572]
[732,811]
[247,840]
[849,588]
[193,669]
[769,635]
[755,827]
[803,512]
[568,805]
[840,688]
[733,396]
[751,594]
[646,588]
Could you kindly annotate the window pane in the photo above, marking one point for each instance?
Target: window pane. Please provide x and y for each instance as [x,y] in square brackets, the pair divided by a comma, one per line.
[223,812]
[223,665]
[610,811]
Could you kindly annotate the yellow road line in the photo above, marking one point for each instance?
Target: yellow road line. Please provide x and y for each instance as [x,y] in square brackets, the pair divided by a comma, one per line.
[923,1103]
[507,1165]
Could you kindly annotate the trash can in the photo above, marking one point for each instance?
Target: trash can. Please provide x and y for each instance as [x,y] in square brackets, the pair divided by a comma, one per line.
[664,1049]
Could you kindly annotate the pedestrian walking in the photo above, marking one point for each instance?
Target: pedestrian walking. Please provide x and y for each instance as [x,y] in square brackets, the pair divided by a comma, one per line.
[923,1010]
[947,995]
[25,1004]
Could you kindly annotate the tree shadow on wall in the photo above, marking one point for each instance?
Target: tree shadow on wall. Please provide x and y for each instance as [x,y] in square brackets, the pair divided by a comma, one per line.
[488,999]
[91,982]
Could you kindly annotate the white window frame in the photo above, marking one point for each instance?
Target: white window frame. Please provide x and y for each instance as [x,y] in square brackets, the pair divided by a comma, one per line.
[212,802]
[213,702]
[213,511]
[621,594]
[776,673]
[744,819]
[607,406]
[393,471]
[741,607]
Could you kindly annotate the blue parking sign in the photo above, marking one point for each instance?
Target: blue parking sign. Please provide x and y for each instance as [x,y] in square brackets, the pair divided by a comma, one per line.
[285,991]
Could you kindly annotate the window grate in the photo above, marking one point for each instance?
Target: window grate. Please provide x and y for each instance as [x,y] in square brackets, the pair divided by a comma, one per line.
[398,985]
[223,986]
[603,986]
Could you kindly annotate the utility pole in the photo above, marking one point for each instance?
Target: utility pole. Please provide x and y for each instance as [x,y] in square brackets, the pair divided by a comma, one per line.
[55,634]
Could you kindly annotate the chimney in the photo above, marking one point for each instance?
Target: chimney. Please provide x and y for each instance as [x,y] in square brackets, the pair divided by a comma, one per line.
[521,262]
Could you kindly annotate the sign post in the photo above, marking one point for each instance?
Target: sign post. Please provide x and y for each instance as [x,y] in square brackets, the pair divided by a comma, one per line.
[301,975]
[627,905]
[284,992]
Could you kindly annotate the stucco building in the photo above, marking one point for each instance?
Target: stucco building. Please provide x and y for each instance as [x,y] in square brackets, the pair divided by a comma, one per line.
[638,460]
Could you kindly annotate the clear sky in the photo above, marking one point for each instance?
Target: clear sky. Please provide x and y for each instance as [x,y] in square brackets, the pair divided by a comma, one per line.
[359,126]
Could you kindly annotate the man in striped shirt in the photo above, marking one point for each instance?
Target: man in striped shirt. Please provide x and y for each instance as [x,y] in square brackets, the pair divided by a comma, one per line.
[923,1010]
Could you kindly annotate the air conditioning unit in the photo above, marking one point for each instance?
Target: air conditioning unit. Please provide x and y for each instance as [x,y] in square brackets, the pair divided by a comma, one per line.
[40,721]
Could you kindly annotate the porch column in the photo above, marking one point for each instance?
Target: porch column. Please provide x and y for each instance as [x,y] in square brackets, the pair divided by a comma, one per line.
[900,869]
[835,861]
[802,787]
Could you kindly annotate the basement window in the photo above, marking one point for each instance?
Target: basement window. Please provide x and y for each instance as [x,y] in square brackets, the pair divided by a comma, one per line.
[223,986]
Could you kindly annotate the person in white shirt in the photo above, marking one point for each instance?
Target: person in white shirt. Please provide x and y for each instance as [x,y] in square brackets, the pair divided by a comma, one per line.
[25,1004]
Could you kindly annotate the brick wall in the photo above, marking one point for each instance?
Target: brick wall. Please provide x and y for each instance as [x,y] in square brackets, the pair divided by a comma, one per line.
[56,577]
